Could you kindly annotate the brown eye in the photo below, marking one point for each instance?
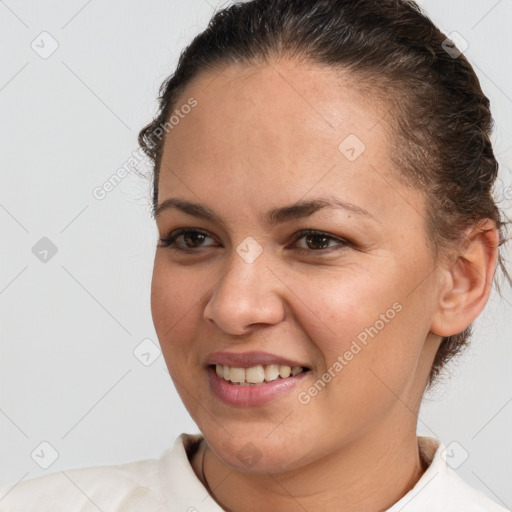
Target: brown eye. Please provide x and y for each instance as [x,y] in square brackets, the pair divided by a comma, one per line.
[193,239]
[317,241]
[185,240]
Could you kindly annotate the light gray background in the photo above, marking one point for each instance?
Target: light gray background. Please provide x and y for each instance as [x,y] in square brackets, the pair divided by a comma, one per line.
[69,326]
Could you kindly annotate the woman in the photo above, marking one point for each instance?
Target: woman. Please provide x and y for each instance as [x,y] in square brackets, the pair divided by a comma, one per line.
[322,191]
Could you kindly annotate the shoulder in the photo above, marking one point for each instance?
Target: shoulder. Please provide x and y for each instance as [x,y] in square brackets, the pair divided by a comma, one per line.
[96,488]
[124,487]
[440,488]
[458,491]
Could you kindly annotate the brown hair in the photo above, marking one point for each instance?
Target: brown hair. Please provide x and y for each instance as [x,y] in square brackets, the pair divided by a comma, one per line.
[441,117]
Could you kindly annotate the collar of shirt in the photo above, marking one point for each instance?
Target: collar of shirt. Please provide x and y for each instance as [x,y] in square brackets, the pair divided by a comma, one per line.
[440,488]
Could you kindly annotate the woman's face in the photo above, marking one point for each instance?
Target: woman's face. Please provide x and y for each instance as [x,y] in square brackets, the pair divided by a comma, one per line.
[266,154]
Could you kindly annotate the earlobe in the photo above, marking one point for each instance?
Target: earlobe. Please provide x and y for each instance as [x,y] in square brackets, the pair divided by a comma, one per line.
[467,281]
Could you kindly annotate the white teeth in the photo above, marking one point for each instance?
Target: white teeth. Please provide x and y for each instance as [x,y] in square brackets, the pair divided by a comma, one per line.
[271,372]
[296,370]
[237,375]
[284,371]
[256,374]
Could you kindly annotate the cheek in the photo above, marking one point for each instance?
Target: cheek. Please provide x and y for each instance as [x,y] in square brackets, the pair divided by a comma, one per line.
[367,330]
[175,302]
[342,308]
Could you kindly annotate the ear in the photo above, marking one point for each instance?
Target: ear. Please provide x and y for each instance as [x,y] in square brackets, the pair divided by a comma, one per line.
[466,280]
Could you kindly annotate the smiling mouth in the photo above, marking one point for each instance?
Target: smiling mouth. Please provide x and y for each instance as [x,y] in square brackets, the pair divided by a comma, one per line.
[256,375]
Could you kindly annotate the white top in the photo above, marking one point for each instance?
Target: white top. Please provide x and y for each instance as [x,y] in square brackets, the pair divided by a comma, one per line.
[170,484]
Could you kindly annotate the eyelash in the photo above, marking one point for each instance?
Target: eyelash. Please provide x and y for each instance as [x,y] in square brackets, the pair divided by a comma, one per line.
[170,241]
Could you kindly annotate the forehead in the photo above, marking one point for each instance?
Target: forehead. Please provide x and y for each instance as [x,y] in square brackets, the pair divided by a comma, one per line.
[276,131]
[277,106]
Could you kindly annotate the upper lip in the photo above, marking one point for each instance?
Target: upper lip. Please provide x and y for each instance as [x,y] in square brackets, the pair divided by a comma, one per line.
[248,359]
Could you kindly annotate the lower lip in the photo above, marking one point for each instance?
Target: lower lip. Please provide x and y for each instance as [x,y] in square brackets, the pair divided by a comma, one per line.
[252,395]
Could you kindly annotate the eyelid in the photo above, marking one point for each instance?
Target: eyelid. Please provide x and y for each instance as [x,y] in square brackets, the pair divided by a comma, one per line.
[342,242]
[169,241]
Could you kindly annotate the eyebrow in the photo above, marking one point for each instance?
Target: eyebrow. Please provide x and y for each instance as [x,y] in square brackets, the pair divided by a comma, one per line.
[275,216]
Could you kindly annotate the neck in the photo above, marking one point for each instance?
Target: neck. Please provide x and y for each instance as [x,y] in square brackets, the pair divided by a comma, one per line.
[372,473]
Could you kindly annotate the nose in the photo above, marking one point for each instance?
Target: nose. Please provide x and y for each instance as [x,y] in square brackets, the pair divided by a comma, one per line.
[248,294]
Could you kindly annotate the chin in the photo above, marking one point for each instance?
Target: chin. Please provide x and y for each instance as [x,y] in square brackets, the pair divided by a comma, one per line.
[258,453]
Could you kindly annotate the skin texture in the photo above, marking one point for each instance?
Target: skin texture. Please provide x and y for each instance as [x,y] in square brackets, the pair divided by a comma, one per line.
[265,137]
